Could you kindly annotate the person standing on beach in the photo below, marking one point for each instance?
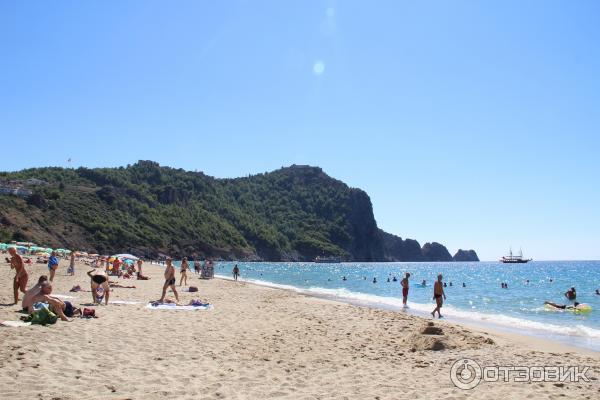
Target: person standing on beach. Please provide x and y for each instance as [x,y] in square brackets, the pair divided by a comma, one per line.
[52,265]
[439,296]
[196,266]
[404,284]
[116,267]
[71,269]
[99,285]
[236,272]
[169,281]
[183,270]
[21,276]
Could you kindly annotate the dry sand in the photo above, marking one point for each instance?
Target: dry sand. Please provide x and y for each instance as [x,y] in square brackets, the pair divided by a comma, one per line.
[257,343]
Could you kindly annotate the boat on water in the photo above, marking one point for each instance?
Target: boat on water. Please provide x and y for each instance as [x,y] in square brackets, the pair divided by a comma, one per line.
[514,259]
[328,259]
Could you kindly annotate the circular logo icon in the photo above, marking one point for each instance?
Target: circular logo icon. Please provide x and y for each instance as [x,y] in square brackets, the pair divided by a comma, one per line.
[465,373]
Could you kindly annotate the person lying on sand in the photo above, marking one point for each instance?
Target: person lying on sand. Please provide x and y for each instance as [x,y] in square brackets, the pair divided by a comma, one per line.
[64,309]
[21,276]
[562,306]
[99,279]
[32,292]
[118,285]
[169,281]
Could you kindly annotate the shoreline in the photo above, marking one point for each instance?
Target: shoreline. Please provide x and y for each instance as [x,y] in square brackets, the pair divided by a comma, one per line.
[256,343]
[530,337]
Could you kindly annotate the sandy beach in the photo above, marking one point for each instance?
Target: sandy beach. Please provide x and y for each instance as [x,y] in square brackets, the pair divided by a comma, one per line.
[257,343]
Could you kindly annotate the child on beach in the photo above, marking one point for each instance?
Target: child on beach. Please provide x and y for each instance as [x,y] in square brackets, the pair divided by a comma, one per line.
[169,281]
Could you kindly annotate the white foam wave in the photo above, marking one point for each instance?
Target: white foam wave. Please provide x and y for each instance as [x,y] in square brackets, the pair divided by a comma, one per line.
[395,303]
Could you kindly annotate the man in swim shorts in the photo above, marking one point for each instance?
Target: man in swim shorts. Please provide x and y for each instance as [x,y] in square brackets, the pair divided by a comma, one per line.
[169,281]
[438,295]
[404,284]
[236,272]
[21,276]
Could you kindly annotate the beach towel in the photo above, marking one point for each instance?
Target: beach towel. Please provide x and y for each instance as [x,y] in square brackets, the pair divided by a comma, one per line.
[14,324]
[125,302]
[167,306]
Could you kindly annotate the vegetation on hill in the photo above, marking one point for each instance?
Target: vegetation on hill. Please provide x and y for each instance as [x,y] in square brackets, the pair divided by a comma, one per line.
[294,213]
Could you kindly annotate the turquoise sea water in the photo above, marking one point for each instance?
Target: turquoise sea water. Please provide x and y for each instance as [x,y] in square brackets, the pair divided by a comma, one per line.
[483,301]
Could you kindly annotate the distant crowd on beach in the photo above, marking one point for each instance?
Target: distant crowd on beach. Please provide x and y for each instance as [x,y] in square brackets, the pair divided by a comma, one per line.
[40,295]
[130,267]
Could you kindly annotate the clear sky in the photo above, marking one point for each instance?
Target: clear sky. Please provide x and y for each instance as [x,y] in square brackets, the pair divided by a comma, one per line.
[475,124]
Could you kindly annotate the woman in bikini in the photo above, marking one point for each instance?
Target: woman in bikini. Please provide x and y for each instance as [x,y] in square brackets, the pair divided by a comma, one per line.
[99,283]
[183,271]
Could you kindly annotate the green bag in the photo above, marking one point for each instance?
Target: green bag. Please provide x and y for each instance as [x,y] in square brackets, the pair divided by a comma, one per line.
[43,316]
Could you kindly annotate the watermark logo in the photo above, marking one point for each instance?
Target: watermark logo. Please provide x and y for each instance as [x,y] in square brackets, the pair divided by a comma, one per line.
[466,374]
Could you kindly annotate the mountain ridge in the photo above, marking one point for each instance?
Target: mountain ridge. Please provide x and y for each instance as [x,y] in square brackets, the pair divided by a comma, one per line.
[291,214]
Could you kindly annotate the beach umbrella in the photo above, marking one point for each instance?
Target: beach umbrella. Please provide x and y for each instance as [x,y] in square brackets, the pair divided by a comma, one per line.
[126,256]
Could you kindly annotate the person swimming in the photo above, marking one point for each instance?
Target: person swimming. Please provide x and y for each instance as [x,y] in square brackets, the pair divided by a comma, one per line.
[562,306]
[571,294]
[374,280]
[344,278]
[424,283]
[464,285]
[598,292]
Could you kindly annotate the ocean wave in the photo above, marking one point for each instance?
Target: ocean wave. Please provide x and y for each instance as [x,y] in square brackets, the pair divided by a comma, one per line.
[394,303]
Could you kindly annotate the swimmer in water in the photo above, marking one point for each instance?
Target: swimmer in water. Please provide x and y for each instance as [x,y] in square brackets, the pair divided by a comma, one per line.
[464,285]
[571,294]
[424,283]
[374,280]
[597,292]
[344,278]
[562,306]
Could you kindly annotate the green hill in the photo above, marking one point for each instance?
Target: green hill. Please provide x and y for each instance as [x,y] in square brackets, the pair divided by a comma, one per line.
[294,213]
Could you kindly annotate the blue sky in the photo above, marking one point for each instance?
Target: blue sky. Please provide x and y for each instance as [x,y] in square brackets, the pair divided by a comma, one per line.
[475,124]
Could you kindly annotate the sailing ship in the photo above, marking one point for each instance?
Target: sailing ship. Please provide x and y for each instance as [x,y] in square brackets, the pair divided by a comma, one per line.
[512,259]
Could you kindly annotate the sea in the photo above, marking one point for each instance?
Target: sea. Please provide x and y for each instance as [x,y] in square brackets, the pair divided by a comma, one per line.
[481,301]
